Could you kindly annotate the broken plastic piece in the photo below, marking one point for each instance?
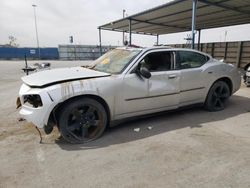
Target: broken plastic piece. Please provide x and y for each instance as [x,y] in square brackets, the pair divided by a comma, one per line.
[21,119]
[18,103]
[41,138]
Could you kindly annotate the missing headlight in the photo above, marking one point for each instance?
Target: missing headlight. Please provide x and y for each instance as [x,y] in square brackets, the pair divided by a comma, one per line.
[33,100]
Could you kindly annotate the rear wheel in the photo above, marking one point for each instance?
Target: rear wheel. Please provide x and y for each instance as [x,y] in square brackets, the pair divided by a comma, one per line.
[82,120]
[217,96]
[246,75]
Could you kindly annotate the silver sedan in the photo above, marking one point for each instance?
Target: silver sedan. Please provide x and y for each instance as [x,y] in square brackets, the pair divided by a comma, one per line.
[124,83]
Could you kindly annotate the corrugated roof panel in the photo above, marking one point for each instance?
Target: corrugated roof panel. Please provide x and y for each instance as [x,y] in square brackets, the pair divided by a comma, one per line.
[238,3]
[210,18]
[173,9]
[227,23]
[187,15]
[176,16]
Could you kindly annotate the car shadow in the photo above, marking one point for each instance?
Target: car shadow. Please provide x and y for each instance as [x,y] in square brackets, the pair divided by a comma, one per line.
[193,118]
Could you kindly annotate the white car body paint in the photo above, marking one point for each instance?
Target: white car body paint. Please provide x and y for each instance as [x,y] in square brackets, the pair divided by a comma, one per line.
[126,94]
[57,75]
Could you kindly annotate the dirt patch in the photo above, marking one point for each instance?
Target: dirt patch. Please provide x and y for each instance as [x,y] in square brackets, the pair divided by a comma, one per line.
[25,129]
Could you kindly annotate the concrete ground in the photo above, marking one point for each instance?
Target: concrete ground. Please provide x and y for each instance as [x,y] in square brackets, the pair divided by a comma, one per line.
[188,148]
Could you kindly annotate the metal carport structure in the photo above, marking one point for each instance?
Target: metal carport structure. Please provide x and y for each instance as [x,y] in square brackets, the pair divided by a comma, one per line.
[182,15]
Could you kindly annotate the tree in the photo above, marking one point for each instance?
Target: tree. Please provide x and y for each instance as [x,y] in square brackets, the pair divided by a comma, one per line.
[13,41]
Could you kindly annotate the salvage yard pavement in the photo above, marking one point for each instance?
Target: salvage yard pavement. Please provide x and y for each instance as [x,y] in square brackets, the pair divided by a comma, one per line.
[187,148]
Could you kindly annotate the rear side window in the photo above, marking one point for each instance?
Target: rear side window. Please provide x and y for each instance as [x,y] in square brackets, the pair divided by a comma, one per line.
[187,59]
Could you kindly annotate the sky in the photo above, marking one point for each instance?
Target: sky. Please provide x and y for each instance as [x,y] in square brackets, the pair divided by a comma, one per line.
[57,20]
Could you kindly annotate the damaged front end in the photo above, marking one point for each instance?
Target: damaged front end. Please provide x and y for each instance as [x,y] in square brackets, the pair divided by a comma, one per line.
[36,105]
[34,101]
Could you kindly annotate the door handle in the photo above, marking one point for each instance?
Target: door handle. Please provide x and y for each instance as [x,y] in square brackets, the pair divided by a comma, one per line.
[172,76]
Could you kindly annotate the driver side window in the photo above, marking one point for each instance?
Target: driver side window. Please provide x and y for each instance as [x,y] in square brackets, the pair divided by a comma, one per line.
[158,61]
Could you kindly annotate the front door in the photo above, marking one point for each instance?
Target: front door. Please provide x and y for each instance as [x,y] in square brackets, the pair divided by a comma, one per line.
[131,98]
[164,83]
[160,92]
[164,90]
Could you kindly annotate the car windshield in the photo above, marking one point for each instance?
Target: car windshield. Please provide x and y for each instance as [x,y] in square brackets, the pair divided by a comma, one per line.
[115,60]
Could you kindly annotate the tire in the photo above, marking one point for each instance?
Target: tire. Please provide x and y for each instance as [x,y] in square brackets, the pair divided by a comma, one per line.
[217,96]
[82,120]
[245,74]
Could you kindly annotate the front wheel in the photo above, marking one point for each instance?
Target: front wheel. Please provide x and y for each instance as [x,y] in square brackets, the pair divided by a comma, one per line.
[82,120]
[217,96]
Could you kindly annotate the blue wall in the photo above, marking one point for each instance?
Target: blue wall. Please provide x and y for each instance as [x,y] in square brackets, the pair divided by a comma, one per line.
[31,53]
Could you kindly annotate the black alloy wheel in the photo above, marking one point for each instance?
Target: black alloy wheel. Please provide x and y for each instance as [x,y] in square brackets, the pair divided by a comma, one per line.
[82,120]
[217,96]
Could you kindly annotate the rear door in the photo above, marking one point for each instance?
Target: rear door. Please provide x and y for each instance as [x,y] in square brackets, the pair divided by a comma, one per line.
[192,78]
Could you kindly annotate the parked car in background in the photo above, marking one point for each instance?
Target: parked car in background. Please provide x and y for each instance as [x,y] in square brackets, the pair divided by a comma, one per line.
[246,76]
[124,83]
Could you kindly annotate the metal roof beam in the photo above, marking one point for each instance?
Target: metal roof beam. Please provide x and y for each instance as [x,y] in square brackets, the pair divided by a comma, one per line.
[225,7]
[140,33]
[159,24]
[155,30]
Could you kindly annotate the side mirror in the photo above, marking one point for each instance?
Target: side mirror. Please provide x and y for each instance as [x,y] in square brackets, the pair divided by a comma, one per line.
[145,72]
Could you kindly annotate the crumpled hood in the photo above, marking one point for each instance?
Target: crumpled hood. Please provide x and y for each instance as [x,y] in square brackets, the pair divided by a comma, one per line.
[54,76]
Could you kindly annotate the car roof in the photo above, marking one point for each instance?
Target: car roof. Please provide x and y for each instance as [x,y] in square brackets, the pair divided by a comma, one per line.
[162,47]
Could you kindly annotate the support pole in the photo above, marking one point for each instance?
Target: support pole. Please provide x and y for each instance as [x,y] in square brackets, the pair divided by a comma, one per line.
[225,52]
[157,40]
[37,40]
[130,33]
[193,22]
[239,53]
[100,41]
[123,35]
[199,39]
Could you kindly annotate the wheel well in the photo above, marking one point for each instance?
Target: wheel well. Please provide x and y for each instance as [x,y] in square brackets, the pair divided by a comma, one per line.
[228,82]
[54,115]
